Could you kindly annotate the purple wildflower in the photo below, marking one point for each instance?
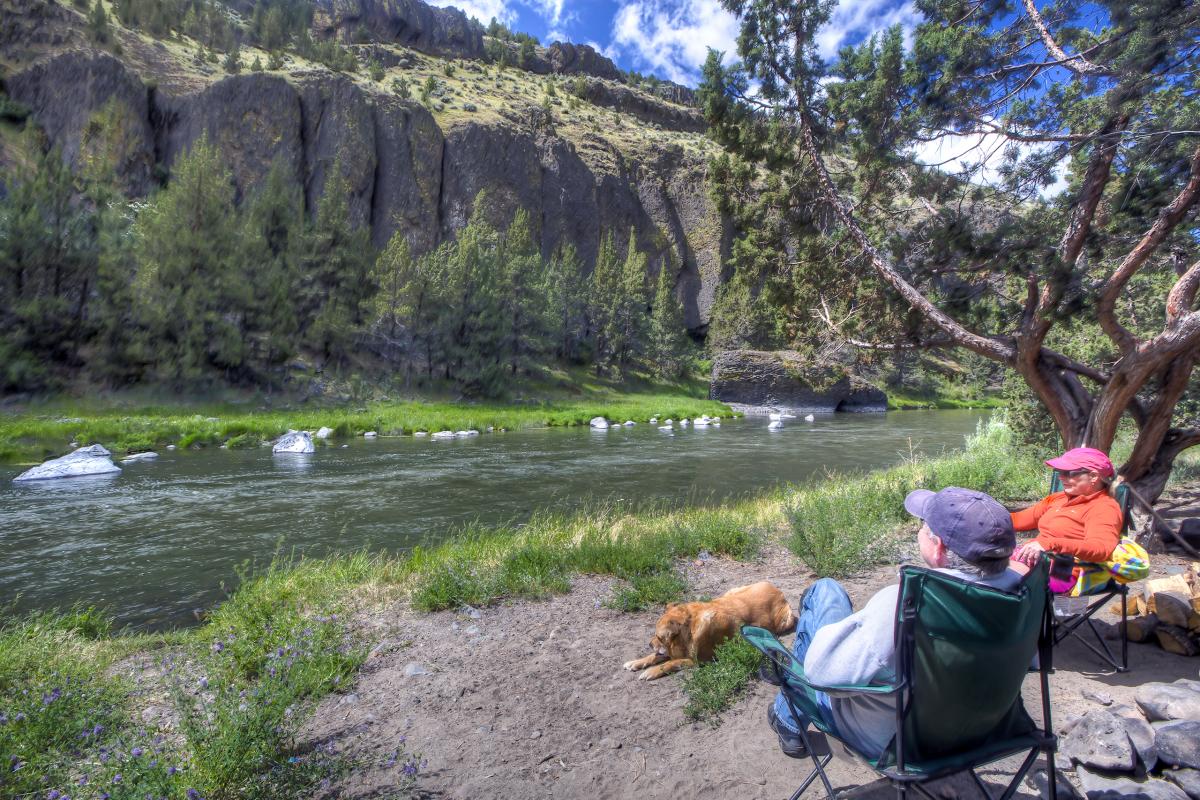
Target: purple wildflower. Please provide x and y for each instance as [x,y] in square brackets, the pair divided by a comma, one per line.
[20,717]
[118,778]
[409,769]
[192,794]
[172,770]
[203,683]
[136,752]
[96,731]
[217,648]
[83,779]
[54,794]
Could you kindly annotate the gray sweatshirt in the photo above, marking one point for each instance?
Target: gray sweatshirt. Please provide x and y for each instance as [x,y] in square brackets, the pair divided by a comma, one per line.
[861,648]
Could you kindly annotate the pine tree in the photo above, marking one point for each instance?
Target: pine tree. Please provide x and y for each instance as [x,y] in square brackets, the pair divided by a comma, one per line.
[524,290]
[273,242]
[568,305]
[256,65]
[631,308]
[604,304]
[195,290]
[336,269]
[668,344]
[47,270]
[233,59]
[473,325]
[98,28]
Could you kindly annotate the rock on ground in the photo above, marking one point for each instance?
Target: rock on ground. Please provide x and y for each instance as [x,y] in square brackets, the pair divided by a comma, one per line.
[294,442]
[1169,701]
[91,460]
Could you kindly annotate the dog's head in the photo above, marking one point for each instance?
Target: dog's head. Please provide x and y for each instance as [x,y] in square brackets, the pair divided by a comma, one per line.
[673,633]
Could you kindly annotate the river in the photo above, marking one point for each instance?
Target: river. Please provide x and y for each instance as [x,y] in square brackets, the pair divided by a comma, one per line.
[154,544]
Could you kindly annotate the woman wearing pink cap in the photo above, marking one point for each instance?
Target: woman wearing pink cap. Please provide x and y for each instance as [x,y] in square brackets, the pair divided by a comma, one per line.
[1082,520]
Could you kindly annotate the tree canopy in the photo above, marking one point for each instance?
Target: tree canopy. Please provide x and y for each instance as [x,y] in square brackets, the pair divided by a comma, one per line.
[1087,293]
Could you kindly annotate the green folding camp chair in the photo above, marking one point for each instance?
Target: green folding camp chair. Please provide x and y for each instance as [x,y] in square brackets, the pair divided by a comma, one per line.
[962,652]
[1069,621]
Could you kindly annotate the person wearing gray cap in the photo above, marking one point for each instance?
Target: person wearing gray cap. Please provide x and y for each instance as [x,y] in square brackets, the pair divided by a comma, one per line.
[964,533]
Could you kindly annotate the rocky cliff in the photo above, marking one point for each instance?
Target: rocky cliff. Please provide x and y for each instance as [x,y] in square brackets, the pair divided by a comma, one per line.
[412,167]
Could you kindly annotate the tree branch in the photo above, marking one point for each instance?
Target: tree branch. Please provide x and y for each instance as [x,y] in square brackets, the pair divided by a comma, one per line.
[989,347]
[1077,63]
[1183,294]
[1158,421]
[1168,218]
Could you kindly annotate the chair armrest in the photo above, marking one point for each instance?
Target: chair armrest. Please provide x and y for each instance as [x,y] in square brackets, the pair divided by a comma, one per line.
[793,670]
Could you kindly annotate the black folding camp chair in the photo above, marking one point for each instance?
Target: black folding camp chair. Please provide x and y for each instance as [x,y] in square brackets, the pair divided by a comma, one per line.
[1070,620]
[962,653]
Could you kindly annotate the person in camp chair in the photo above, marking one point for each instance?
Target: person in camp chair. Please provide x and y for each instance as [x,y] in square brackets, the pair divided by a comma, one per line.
[1082,520]
[964,533]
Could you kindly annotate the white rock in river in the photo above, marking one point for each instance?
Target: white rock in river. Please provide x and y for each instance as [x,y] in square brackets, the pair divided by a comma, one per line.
[629,423]
[370,435]
[324,433]
[133,458]
[665,428]
[443,435]
[599,423]
[809,418]
[420,433]
[683,423]
[466,434]
[654,420]
[700,422]
[294,442]
[774,425]
[667,421]
[91,460]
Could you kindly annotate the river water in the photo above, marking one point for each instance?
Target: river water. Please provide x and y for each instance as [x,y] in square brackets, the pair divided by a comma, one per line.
[154,544]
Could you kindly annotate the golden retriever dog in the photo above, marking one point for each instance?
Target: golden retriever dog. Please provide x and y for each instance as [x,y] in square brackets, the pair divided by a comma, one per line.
[690,633]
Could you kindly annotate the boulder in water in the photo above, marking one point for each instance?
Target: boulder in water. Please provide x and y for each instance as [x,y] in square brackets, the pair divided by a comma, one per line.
[775,425]
[370,434]
[294,442]
[324,433]
[443,435]
[599,423]
[91,460]
[134,458]
[629,423]
[809,418]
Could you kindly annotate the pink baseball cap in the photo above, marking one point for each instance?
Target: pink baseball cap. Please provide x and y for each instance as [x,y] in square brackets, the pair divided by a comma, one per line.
[1083,458]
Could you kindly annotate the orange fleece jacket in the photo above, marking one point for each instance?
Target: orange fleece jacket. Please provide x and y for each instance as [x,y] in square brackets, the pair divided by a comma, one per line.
[1087,527]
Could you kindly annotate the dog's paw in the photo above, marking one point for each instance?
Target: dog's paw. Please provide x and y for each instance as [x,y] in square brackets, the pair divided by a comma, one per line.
[651,674]
[632,666]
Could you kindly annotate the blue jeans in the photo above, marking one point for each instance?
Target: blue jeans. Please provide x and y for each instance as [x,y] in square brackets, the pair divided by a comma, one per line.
[824,603]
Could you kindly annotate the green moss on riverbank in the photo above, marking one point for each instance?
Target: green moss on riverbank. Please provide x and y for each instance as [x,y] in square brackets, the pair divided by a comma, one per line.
[239,687]
[31,437]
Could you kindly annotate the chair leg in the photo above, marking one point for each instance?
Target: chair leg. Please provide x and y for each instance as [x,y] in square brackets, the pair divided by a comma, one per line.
[819,764]
[1020,776]
[982,788]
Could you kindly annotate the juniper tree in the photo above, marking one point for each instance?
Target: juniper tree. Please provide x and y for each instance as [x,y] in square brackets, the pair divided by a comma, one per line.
[1089,296]
[631,306]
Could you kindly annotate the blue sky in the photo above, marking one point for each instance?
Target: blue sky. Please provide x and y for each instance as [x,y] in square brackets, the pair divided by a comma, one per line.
[667,38]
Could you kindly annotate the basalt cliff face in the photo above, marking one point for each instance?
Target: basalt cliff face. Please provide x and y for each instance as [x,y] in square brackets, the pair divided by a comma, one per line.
[615,159]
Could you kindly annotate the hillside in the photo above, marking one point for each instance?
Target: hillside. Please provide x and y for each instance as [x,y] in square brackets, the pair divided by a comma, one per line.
[420,127]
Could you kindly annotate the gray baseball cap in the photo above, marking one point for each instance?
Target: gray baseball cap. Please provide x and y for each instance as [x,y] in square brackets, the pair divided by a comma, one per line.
[972,524]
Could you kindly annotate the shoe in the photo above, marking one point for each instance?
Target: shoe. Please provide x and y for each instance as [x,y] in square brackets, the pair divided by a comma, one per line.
[766,674]
[790,743]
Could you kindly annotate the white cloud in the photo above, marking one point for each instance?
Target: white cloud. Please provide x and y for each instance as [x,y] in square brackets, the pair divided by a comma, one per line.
[854,20]
[482,10]
[670,38]
[982,155]
[551,10]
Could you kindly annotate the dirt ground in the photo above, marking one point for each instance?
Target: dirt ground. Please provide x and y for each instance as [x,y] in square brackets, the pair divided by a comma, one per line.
[529,700]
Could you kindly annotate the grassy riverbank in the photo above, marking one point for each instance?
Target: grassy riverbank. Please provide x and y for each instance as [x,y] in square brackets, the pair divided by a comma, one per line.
[74,695]
[35,435]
